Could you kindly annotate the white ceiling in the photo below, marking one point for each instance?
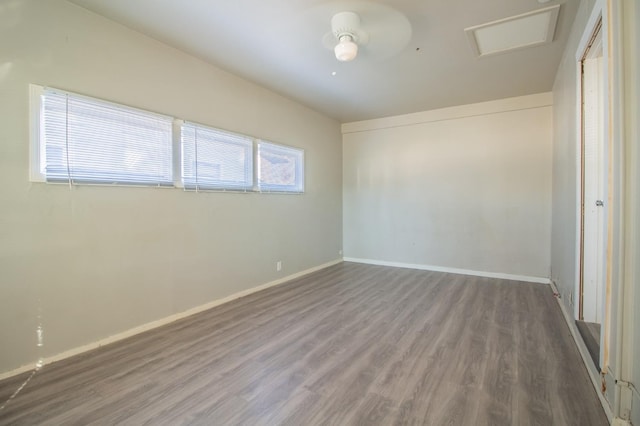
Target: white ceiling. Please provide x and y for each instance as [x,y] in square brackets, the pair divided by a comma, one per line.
[278,44]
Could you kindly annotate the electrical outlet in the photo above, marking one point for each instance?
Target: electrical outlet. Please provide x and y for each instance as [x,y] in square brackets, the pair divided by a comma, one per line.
[279,265]
[571,298]
[339,252]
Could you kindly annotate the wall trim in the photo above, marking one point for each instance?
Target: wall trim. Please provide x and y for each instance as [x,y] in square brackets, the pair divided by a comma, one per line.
[499,275]
[584,354]
[163,321]
[471,110]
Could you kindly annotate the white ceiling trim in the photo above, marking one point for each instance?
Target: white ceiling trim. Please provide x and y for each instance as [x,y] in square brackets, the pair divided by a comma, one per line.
[517,103]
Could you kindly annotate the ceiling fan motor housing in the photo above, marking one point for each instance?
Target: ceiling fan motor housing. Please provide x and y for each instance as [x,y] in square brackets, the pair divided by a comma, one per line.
[346,23]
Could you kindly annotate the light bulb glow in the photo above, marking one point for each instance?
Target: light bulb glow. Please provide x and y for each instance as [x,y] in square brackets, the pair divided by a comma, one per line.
[346,50]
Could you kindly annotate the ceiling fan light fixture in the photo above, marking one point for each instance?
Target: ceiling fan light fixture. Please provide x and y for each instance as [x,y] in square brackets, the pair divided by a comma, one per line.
[350,36]
[345,27]
[346,50]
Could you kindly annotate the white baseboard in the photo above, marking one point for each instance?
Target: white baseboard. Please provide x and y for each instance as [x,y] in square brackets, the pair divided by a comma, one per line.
[163,321]
[525,278]
[584,354]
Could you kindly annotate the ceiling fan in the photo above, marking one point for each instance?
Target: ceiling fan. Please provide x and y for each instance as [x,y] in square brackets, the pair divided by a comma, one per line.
[377,30]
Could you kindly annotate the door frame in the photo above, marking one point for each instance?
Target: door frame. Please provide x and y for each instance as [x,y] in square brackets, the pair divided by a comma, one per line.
[594,238]
[622,37]
[597,21]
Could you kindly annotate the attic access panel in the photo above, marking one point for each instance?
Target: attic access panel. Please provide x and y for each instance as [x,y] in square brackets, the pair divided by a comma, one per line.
[517,32]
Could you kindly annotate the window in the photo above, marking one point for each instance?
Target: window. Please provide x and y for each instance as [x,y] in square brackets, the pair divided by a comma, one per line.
[280,168]
[85,140]
[82,140]
[215,159]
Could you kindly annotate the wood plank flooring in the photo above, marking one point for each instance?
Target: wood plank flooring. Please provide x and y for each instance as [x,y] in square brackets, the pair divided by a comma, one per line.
[348,345]
[590,332]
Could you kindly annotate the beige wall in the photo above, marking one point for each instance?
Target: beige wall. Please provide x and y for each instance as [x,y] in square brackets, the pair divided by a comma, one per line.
[95,261]
[466,188]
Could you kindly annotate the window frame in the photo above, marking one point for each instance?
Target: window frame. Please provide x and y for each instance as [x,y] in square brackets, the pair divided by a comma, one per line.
[35,151]
[250,183]
[298,153]
[38,146]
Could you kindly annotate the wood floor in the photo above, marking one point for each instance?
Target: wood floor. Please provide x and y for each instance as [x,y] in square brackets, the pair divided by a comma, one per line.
[590,332]
[349,345]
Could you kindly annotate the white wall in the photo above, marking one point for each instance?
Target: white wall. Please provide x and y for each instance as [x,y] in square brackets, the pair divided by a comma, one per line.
[466,187]
[95,261]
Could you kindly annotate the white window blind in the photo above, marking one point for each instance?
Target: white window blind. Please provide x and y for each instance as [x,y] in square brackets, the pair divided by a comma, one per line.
[280,168]
[215,159]
[85,140]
